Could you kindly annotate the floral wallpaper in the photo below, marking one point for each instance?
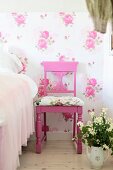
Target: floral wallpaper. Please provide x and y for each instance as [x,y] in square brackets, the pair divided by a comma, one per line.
[59,36]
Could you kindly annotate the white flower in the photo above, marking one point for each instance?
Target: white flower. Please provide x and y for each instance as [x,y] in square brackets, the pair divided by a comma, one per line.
[111,139]
[110,120]
[92,132]
[110,128]
[97,141]
[80,124]
[105,146]
[86,143]
[89,123]
[98,120]
[73,139]
[92,114]
[104,110]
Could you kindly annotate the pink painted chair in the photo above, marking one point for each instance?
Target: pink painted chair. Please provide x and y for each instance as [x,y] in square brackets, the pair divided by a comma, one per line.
[59,69]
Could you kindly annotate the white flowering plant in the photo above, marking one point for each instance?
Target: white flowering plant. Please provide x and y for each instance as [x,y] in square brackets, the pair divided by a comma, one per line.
[98,131]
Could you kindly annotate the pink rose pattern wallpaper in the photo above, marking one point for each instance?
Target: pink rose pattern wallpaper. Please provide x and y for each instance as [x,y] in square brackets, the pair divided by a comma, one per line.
[2,38]
[44,40]
[93,39]
[68,19]
[20,19]
[63,37]
[92,88]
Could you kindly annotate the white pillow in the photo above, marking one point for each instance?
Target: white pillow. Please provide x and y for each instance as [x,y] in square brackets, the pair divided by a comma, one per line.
[19,56]
[9,61]
[5,70]
[16,64]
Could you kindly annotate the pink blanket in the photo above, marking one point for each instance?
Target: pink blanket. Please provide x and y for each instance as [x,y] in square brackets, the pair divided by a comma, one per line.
[16,107]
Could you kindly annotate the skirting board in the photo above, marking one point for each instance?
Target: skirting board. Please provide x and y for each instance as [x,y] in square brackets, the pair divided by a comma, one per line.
[56,136]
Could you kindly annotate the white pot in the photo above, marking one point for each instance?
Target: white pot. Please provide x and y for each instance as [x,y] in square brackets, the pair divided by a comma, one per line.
[96,157]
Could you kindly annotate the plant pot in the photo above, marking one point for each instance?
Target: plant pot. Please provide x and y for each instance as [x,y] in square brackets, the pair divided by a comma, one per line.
[96,157]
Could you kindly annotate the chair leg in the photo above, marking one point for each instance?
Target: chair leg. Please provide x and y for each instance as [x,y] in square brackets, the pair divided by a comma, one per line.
[74,124]
[79,141]
[38,132]
[45,128]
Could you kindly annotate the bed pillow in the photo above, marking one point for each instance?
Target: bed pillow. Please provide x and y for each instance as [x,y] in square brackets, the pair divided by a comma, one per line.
[8,61]
[19,56]
[5,70]
[16,64]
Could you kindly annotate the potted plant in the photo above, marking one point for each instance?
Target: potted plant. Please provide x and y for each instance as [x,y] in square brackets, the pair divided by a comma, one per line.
[97,134]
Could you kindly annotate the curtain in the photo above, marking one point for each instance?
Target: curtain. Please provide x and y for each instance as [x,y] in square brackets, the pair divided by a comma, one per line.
[101,11]
[108,84]
[108,74]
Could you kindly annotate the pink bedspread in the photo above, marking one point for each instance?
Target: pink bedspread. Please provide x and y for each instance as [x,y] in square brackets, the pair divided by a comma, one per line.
[16,106]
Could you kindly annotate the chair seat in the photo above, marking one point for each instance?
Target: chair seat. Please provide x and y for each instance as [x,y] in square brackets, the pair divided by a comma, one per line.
[60,101]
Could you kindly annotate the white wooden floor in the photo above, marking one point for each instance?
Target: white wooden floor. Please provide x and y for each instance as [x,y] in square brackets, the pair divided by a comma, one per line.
[57,155]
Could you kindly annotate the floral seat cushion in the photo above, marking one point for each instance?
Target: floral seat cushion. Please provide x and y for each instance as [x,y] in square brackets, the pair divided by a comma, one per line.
[60,101]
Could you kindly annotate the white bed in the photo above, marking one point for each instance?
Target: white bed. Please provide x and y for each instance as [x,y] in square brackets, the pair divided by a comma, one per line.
[16,116]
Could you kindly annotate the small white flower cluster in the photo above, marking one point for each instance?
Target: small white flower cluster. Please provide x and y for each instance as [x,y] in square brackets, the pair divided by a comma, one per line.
[105,146]
[80,124]
[110,128]
[98,120]
[92,114]
[104,110]
[98,131]
[92,131]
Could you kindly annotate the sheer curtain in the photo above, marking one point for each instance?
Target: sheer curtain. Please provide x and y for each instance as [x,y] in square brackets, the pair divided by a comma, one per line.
[108,75]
